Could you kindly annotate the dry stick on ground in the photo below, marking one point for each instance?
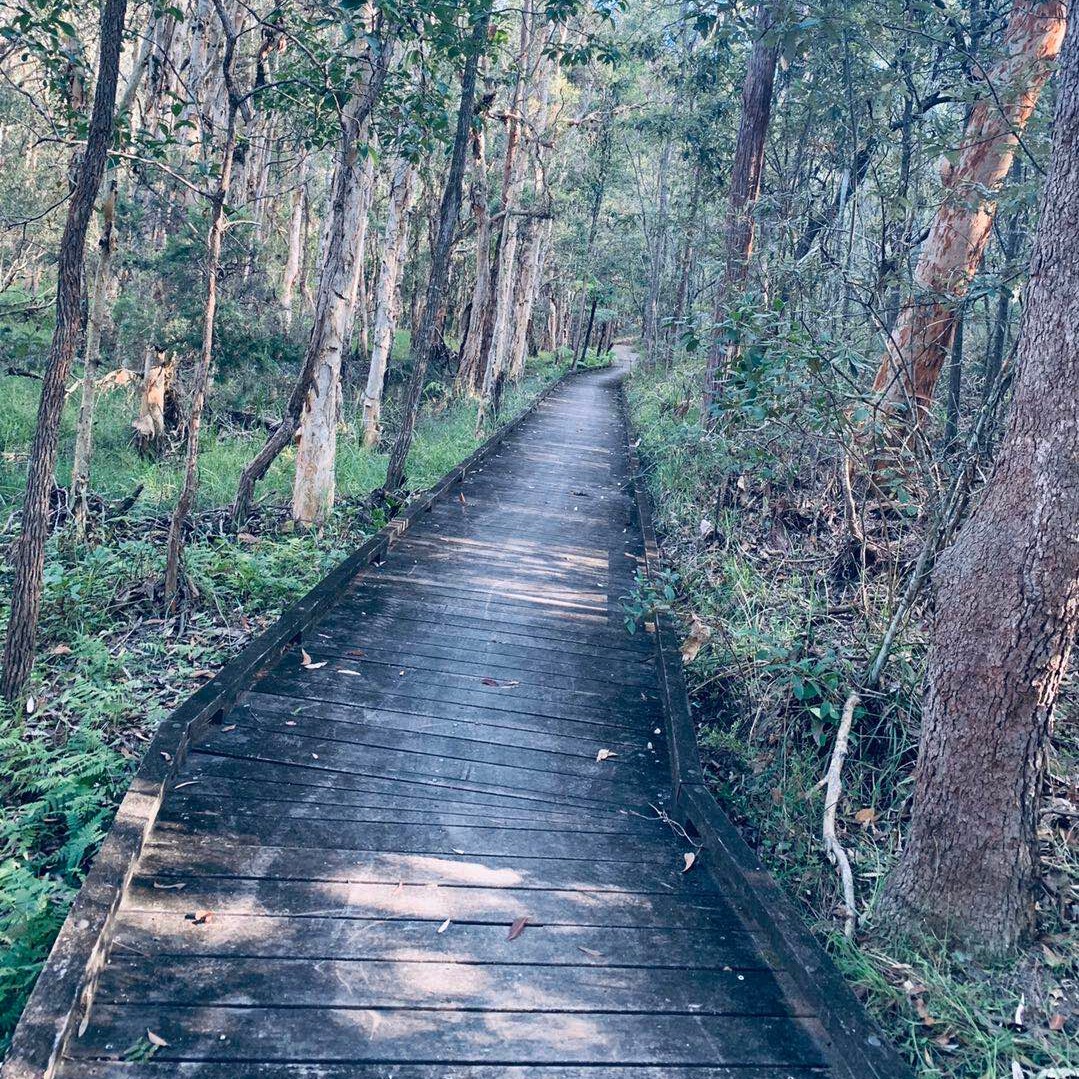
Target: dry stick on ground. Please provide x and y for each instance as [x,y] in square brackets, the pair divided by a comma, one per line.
[834,784]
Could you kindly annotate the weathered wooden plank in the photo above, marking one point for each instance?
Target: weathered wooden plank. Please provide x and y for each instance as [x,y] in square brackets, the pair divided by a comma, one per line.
[503,728]
[561,757]
[491,987]
[154,936]
[207,856]
[601,789]
[199,1070]
[426,839]
[389,1036]
[314,773]
[436,903]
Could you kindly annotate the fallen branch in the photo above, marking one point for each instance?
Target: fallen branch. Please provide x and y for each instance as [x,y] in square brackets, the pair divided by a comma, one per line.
[833,781]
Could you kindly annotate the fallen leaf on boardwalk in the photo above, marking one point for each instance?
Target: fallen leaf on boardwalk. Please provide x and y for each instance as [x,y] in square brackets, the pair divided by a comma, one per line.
[155,1039]
[456,851]
[590,951]
[865,816]
[699,633]
[690,857]
[186,783]
[167,756]
[355,652]
[169,887]
[444,926]
[461,498]
[228,727]
[306,661]
[200,917]
[517,929]
[349,670]
[605,755]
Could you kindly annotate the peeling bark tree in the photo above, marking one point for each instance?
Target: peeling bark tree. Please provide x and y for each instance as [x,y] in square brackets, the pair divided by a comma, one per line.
[29,561]
[297,239]
[918,345]
[1007,611]
[745,189]
[429,332]
[387,304]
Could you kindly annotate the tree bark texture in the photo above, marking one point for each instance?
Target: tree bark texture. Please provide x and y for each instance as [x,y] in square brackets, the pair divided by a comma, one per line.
[1007,610]
[745,188]
[387,304]
[29,559]
[918,344]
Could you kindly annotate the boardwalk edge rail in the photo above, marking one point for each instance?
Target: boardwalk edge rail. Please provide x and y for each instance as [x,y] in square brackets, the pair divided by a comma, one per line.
[856,1044]
[61,998]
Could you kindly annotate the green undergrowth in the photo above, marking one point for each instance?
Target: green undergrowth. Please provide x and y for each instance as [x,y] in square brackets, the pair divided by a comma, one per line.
[751,528]
[110,667]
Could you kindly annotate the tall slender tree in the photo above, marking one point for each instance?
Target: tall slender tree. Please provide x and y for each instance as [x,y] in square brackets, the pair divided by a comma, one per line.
[30,551]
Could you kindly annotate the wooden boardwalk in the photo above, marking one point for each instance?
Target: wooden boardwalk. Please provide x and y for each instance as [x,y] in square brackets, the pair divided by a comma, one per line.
[440,848]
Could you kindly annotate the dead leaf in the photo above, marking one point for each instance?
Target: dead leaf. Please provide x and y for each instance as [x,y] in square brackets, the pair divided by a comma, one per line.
[167,757]
[31,704]
[246,537]
[444,926]
[155,1039]
[605,755]
[590,952]
[517,929]
[186,783]
[690,857]
[200,917]
[355,652]
[706,528]
[1056,1021]
[306,661]
[865,816]
[699,633]
[349,670]
[60,650]
[228,727]
[170,887]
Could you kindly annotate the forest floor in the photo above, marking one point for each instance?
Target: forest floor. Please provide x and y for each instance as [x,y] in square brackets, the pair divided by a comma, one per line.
[782,638]
[111,667]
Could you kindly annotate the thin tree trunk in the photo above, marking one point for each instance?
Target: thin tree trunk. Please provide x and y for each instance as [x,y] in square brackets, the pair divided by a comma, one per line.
[918,345]
[587,336]
[84,428]
[745,187]
[216,232]
[388,303]
[1006,613]
[29,560]
[955,384]
[999,333]
[297,234]
[470,367]
[429,332]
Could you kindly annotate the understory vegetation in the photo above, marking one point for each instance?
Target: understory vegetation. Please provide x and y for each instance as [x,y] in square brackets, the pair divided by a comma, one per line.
[782,623]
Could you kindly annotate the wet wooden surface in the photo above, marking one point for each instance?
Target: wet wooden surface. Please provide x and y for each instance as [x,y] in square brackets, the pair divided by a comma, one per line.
[337,882]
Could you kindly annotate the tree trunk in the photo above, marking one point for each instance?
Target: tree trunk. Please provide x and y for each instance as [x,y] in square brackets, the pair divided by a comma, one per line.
[336,278]
[214,236]
[314,482]
[999,334]
[387,309]
[745,188]
[29,560]
[84,428]
[429,333]
[955,384]
[918,345]
[297,236]
[470,368]
[1007,611]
